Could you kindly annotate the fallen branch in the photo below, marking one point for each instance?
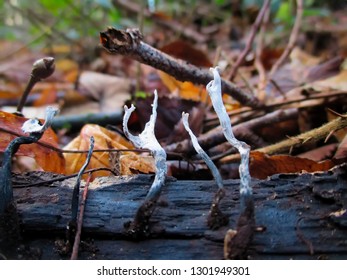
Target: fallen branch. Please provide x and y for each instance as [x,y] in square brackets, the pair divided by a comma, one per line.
[301,102]
[129,43]
[179,222]
[258,62]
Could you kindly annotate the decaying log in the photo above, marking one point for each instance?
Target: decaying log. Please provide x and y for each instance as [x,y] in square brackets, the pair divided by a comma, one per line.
[297,216]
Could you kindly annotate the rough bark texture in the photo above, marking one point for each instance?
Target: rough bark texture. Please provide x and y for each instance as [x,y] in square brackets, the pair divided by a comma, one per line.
[299,214]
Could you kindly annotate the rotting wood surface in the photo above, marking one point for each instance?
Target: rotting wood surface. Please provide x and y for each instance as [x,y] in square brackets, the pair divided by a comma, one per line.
[301,216]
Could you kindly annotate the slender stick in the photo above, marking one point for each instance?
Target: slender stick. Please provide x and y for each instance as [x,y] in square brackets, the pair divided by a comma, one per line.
[292,39]
[76,244]
[250,40]
[129,43]
[76,190]
[296,141]
[258,63]
[216,137]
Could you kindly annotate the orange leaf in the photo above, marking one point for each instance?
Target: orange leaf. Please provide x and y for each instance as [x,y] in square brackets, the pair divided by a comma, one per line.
[183,50]
[186,90]
[104,139]
[46,158]
[263,165]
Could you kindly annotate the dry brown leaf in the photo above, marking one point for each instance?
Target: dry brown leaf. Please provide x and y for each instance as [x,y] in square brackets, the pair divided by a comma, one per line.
[130,162]
[262,165]
[186,90]
[338,82]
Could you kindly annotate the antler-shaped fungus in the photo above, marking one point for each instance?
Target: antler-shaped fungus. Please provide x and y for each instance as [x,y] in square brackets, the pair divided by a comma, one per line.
[236,242]
[147,140]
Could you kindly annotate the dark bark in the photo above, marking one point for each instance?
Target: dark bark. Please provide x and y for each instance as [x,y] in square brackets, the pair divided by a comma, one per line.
[180,217]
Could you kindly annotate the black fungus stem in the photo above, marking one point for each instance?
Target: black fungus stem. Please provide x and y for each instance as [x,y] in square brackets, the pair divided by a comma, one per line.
[42,69]
[32,81]
[76,190]
[6,191]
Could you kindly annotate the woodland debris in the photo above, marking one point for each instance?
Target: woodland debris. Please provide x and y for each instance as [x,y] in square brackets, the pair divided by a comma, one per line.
[307,137]
[130,43]
[180,230]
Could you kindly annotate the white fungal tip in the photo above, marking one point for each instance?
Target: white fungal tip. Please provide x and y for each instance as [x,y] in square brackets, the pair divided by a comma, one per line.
[33,125]
[214,89]
[147,140]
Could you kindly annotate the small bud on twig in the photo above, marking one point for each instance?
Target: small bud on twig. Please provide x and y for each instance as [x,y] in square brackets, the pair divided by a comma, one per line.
[42,69]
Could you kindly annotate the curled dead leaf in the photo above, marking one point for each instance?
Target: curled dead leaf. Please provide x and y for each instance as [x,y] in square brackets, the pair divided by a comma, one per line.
[262,165]
[129,162]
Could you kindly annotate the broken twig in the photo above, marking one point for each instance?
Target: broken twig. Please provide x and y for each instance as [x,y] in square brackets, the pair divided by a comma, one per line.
[72,225]
[311,136]
[129,43]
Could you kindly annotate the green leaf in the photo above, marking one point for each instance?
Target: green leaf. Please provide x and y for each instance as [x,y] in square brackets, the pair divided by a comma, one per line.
[284,13]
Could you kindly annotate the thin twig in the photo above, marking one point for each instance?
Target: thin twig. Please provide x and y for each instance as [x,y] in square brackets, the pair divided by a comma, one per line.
[255,28]
[307,137]
[129,43]
[282,104]
[76,244]
[216,137]
[292,39]
[56,149]
[259,50]
[76,189]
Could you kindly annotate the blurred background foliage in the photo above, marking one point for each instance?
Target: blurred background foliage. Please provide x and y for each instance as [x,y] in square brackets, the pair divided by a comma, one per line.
[47,23]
